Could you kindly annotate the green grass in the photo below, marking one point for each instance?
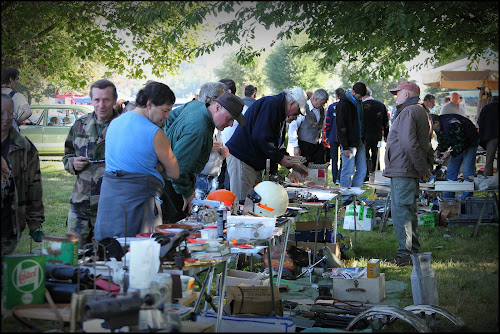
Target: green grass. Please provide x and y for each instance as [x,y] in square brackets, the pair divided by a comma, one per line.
[466,268]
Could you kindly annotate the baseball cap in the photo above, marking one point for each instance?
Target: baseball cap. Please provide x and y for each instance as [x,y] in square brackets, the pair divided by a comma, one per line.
[300,96]
[233,104]
[406,85]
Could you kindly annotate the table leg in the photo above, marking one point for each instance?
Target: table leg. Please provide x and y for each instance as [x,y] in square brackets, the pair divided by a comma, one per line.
[221,297]
[385,215]
[316,235]
[336,217]
[283,252]
[271,275]
[355,225]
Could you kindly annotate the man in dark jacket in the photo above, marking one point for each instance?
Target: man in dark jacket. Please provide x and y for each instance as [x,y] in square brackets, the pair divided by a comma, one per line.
[375,123]
[261,139]
[459,134]
[349,133]
[488,133]
[331,135]
[408,157]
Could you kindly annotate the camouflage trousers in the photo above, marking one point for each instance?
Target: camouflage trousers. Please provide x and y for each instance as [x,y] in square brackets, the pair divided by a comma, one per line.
[81,221]
[9,245]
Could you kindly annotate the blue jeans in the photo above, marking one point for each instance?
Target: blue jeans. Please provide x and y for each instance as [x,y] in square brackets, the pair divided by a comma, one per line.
[348,166]
[205,184]
[404,194]
[334,155]
[466,159]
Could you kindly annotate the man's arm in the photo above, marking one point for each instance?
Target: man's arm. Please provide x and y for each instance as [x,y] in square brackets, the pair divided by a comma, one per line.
[293,135]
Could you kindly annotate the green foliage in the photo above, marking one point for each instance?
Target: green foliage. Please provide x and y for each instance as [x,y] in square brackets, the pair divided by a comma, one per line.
[381,35]
[249,74]
[286,69]
[74,43]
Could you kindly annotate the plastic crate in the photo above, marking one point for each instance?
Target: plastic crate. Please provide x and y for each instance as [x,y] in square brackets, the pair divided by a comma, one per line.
[473,205]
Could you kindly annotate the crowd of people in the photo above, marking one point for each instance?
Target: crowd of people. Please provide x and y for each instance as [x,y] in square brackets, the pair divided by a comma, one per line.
[140,164]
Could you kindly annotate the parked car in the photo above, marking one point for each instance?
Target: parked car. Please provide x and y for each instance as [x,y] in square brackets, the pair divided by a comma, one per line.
[49,125]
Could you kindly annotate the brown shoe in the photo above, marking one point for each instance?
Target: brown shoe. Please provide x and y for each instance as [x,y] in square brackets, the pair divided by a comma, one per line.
[401,261]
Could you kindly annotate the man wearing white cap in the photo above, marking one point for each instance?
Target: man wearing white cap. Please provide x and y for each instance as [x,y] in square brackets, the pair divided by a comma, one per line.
[263,138]
[408,158]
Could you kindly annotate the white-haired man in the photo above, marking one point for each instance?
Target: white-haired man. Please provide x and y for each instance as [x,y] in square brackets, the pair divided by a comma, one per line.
[262,138]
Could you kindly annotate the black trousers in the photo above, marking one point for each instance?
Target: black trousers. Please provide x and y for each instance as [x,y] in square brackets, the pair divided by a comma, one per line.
[371,155]
[314,153]
[172,204]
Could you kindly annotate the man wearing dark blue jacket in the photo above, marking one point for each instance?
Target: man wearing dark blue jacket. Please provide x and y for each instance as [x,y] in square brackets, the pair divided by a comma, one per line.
[349,134]
[262,138]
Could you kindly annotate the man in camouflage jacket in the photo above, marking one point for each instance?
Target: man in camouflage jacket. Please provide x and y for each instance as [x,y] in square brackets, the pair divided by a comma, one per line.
[24,205]
[84,157]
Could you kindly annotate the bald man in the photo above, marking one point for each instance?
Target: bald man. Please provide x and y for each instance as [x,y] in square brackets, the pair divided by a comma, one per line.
[454,106]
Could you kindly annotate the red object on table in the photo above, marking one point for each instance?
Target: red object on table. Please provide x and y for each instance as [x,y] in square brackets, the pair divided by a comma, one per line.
[107,286]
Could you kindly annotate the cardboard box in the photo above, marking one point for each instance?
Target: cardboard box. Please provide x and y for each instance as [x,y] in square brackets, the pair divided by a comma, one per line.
[364,218]
[364,289]
[373,268]
[318,174]
[452,205]
[235,277]
[334,247]
[253,300]
[311,225]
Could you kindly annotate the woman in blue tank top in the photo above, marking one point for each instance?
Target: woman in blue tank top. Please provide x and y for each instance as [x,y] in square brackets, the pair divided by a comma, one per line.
[138,157]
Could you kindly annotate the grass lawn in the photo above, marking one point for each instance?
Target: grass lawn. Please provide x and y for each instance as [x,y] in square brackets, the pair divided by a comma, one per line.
[466,268]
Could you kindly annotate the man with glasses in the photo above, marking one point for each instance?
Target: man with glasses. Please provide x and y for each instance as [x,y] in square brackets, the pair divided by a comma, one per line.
[429,102]
[84,157]
[349,133]
[263,138]
[191,138]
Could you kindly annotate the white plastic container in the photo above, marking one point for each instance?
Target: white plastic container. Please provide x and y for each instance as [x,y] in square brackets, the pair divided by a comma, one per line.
[209,233]
[423,280]
[253,228]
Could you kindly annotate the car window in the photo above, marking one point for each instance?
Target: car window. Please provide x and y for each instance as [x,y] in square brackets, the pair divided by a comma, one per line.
[36,116]
[56,117]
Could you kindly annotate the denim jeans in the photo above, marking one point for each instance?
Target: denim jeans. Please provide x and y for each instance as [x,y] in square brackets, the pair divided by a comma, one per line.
[353,167]
[404,194]
[466,159]
[334,155]
[205,184]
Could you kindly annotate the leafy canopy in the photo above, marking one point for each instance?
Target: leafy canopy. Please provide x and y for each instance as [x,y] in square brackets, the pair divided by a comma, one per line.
[70,43]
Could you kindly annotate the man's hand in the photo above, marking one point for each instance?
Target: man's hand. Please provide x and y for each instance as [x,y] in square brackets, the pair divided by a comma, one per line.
[37,235]
[79,163]
[296,151]
[224,151]
[446,155]
[426,178]
[301,169]
[217,146]
[187,202]
[346,153]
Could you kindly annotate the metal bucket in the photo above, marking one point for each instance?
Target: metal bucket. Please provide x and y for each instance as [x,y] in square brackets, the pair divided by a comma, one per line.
[61,250]
[23,279]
